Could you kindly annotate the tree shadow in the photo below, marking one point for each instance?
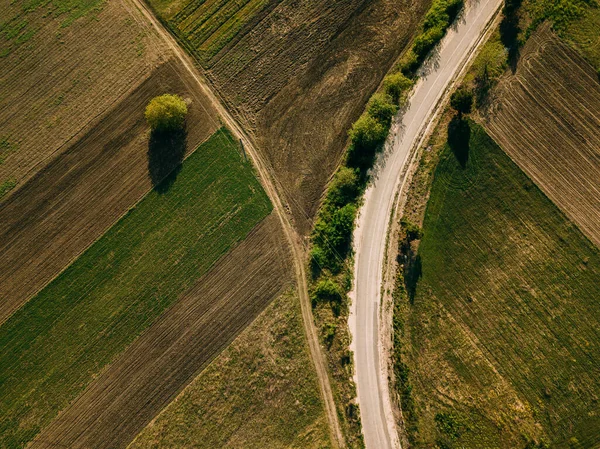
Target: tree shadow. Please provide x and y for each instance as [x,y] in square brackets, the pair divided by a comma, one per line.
[165,155]
[509,31]
[413,271]
[459,133]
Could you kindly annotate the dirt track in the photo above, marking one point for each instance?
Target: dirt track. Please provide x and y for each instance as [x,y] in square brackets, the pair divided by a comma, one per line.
[301,76]
[272,188]
[81,193]
[547,118]
[159,364]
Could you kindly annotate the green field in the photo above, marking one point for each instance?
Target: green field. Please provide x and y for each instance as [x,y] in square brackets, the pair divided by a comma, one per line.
[502,339]
[206,26]
[261,392]
[576,21]
[64,336]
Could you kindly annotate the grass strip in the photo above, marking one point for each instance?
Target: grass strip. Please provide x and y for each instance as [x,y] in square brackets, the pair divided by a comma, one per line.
[502,260]
[64,336]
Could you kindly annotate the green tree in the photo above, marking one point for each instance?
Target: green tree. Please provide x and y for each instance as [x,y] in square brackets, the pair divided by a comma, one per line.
[166,113]
[382,108]
[397,85]
[344,187]
[462,101]
[367,132]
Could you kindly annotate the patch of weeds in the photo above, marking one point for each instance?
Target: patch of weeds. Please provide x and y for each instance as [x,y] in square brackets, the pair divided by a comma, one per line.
[6,148]
[7,186]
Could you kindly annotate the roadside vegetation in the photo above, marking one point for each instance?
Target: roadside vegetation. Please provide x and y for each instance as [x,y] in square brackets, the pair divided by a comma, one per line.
[576,22]
[331,239]
[258,393]
[487,297]
[64,336]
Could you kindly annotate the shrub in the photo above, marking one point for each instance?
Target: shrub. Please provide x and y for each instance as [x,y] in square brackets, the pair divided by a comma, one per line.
[367,132]
[333,234]
[318,260]
[397,85]
[425,42]
[413,231]
[462,100]
[326,290]
[409,64]
[382,108]
[343,188]
[166,113]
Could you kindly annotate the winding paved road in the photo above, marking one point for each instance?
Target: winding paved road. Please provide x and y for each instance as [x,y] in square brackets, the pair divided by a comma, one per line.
[370,237]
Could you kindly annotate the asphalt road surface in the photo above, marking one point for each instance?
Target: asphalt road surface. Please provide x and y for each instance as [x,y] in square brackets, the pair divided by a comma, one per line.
[370,237]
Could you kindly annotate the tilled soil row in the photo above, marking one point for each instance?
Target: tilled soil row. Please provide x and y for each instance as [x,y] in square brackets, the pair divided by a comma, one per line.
[547,118]
[159,364]
[71,202]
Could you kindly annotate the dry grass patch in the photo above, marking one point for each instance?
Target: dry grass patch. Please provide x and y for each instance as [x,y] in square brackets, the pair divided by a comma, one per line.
[261,392]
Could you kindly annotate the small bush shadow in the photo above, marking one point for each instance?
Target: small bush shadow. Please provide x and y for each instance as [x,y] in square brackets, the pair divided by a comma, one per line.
[509,32]
[459,133]
[165,155]
[413,271]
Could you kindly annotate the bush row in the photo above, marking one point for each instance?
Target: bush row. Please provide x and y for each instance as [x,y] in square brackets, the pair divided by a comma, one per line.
[332,234]
[437,20]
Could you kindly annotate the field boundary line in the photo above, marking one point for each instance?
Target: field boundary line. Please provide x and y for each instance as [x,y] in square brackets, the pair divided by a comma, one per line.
[270,184]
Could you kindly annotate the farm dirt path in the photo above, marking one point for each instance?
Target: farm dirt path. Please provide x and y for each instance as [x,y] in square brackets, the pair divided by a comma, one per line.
[183,341]
[272,188]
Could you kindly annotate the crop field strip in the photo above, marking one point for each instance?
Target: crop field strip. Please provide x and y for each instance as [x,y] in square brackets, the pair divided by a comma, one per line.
[67,205]
[159,364]
[80,70]
[547,118]
[504,334]
[256,394]
[298,75]
[69,332]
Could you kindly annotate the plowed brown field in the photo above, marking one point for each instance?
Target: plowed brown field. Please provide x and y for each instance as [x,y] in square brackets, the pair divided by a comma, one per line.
[297,74]
[84,190]
[311,70]
[547,118]
[64,78]
[154,369]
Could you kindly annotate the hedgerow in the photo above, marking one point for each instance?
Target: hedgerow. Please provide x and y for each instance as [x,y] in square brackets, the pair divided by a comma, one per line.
[331,239]
[332,234]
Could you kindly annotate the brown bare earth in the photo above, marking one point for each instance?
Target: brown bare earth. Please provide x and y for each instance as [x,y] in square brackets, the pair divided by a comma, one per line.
[68,204]
[64,78]
[158,365]
[302,74]
[547,118]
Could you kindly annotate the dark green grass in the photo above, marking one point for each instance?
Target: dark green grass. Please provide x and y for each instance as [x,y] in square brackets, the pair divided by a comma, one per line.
[53,347]
[508,266]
